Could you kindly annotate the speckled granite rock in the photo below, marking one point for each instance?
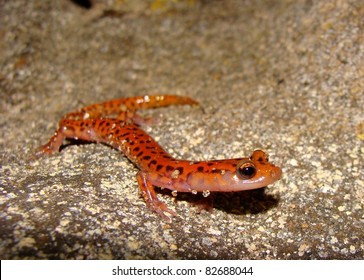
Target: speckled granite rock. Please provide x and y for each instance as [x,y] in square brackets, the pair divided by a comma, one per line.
[283,76]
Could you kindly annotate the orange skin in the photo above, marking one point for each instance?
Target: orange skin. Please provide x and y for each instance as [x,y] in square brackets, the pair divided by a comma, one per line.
[115,123]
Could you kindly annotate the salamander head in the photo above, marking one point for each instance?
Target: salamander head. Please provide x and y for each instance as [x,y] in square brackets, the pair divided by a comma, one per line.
[255,172]
[230,175]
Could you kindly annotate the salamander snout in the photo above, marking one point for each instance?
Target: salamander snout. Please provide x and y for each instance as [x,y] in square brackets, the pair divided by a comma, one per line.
[265,171]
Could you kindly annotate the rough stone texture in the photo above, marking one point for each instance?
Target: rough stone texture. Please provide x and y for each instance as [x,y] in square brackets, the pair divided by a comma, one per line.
[283,76]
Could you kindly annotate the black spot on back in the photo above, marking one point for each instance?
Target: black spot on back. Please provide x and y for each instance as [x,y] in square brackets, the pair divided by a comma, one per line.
[140,153]
[146,157]
[169,168]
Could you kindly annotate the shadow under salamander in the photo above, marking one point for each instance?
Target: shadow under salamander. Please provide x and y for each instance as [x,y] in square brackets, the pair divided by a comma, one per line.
[238,203]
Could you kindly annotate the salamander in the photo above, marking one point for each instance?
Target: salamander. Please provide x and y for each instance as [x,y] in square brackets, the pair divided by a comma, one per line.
[117,124]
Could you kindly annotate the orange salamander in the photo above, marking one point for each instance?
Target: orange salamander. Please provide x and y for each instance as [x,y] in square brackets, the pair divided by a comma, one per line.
[117,124]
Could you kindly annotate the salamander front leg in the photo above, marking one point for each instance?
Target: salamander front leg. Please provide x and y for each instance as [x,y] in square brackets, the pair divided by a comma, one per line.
[151,198]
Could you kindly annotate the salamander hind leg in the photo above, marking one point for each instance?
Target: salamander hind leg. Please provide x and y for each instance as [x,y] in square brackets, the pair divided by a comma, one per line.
[68,129]
[129,116]
[151,198]
[52,146]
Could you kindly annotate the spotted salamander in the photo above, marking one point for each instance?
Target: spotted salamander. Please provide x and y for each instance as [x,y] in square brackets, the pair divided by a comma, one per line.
[116,123]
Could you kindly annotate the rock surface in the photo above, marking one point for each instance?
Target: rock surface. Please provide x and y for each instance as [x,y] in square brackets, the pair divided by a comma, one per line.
[283,76]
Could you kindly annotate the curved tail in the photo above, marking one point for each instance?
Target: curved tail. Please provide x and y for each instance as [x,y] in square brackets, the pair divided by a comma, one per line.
[130,104]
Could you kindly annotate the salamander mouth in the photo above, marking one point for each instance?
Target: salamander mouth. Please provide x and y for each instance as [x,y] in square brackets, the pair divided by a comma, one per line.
[271,176]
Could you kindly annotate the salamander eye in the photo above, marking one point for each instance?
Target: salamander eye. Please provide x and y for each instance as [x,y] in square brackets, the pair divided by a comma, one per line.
[246,169]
